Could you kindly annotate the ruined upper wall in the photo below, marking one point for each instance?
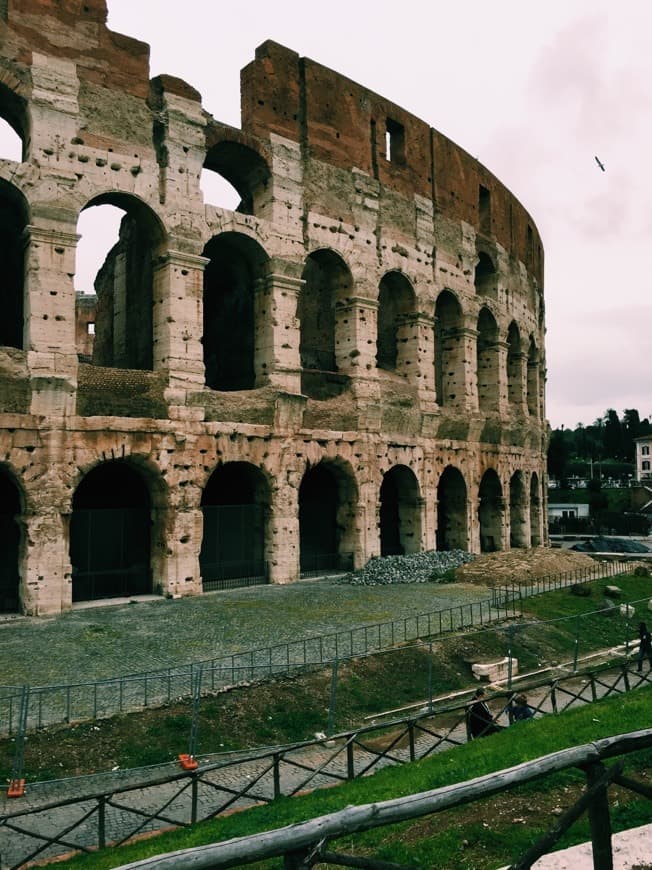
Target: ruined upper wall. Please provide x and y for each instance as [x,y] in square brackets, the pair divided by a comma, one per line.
[344,124]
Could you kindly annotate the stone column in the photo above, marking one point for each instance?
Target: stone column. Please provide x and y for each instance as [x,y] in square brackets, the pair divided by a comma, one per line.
[459,380]
[429,520]
[49,335]
[46,581]
[176,571]
[356,328]
[277,332]
[516,367]
[415,357]
[282,542]
[178,321]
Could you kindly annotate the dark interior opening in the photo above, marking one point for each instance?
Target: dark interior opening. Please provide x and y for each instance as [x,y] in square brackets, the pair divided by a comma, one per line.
[318,531]
[9,545]
[451,511]
[13,219]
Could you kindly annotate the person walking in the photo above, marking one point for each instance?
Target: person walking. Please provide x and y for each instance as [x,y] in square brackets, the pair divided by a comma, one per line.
[644,646]
[480,721]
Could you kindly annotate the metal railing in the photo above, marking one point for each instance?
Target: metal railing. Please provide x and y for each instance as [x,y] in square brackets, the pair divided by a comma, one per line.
[96,811]
[66,703]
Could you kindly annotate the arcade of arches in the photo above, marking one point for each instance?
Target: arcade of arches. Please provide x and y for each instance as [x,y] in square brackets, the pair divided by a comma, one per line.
[117,518]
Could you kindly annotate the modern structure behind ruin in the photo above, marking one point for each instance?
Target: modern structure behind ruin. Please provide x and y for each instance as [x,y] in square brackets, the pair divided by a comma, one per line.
[350,364]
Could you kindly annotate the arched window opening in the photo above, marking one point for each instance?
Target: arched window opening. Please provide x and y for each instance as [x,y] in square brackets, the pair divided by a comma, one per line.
[13,220]
[486,277]
[452,521]
[236,264]
[327,502]
[11,145]
[10,545]
[535,512]
[121,238]
[327,281]
[237,176]
[487,361]
[490,512]
[235,507]
[110,534]
[400,513]
[449,350]
[518,533]
[533,379]
[14,126]
[514,366]
[218,191]
[395,300]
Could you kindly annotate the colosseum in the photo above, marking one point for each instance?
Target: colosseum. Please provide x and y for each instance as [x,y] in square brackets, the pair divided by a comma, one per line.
[349,364]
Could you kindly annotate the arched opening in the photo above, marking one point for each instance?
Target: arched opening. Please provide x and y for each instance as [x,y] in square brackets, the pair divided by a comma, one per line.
[236,264]
[14,126]
[400,512]
[110,534]
[14,217]
[514,366]
[533,379]
[535,511]
[490,512]
[486,277]
[327,281]
[235,177]
[327,504]
[11,145]
[449,350]
[452,523]
[518,530]
[123,282]
[10,544]
[235,506]
[487,361]
[395,300]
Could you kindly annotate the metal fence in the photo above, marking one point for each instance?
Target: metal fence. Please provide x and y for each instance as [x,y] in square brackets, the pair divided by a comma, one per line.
[48,705]
[90,812]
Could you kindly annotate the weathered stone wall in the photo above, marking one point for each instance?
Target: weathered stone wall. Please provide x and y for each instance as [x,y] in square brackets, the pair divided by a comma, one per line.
[374,307]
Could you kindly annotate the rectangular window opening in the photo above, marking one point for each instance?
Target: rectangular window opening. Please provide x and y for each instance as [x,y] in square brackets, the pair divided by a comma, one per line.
[394,142]
[90,328]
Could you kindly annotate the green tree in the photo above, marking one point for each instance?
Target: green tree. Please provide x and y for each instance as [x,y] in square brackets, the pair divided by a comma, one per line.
[613,436]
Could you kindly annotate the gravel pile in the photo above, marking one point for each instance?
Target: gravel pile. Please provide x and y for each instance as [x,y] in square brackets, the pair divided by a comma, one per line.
[413,568]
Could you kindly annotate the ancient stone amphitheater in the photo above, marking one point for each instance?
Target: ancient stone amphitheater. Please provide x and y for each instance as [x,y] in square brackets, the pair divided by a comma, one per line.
[349,364]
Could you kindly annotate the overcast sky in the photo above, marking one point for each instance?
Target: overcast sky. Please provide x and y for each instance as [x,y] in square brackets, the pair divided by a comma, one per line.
[534,91]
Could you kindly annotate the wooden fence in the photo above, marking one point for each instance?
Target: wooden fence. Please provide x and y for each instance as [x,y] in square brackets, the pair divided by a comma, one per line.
[111,809]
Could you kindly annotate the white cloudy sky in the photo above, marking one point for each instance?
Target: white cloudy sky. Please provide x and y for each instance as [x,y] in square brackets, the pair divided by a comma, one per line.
[534,90]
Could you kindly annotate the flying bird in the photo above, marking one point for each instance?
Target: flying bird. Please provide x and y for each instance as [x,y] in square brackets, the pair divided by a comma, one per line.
[600,163]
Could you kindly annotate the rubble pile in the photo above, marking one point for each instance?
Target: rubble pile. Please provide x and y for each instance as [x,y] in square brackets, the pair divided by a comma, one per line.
[426,567]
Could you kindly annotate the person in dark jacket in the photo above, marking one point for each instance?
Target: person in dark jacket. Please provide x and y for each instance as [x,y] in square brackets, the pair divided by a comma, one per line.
[481,722]
[644,647]
[520,709]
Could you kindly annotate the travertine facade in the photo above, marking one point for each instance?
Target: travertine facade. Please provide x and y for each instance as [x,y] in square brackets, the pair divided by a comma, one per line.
[350,364]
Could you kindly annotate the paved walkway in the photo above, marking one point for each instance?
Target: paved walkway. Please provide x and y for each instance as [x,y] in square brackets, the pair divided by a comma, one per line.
[116,639]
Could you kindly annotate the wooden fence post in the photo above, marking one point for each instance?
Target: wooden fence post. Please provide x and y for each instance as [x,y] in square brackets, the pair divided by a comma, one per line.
[600,819]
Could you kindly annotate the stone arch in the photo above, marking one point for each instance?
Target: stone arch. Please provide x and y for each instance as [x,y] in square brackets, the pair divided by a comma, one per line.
[449,350]
[236,159]
[514,365]
[14,218]
[487,361]
[124,286]
[490,512]
[535,511]
[111,533]
[236,264]
[533,378]
[518,527]
[11,542]
[396,299]
[328,498]
[400,512]
[236,507]
[485,279]
[452,513]
[327,283]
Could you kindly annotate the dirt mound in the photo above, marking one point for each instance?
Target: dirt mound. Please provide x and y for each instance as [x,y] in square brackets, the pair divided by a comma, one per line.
[516,566]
